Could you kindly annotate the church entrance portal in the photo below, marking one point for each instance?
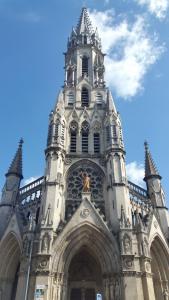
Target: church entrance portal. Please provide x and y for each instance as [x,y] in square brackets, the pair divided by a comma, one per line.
[85,277]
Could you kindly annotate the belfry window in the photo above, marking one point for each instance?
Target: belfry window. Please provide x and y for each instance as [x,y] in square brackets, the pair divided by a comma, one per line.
[73,136]
[85,97]
[108,134]
[85,66]
[99,99]
[96,142]
[71,99]
[85,136]
[49,139]
[73,142]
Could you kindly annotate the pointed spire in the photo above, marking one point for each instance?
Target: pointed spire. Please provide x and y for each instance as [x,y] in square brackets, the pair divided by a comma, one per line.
[84,25]
[150,168]
[16,165]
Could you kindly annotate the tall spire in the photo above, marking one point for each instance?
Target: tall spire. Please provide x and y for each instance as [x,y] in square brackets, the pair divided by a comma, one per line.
[16,165]
[84,25]
[150,168]
[84,33]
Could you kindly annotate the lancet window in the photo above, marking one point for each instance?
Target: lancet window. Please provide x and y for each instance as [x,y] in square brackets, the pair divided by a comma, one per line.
[99,99]
[84,65]
[96,138]
[85,136]
[71,98]
[73,136]
[85,97]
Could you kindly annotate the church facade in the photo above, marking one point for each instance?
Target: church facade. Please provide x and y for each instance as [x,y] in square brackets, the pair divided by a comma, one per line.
[83,231]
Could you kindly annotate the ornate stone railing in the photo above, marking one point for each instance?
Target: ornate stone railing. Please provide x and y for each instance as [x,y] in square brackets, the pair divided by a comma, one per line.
[139,196]
[31,191]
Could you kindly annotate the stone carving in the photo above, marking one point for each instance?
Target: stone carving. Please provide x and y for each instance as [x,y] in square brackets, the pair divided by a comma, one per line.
[68,161]
[128,263]
[85,213]
[86,182]
[148,267]
[127,244]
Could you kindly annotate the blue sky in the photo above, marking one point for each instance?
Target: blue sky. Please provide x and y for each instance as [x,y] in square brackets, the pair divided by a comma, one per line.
[33,37]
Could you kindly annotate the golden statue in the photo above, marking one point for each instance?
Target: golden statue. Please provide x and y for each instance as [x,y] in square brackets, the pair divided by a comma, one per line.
[86,182]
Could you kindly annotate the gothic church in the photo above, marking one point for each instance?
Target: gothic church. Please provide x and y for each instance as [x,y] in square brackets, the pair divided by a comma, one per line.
[83,231]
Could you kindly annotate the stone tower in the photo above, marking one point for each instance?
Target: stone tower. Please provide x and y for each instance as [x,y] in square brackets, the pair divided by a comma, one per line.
[83,231]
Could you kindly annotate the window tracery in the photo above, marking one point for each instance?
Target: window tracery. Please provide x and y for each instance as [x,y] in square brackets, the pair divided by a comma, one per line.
[75,184]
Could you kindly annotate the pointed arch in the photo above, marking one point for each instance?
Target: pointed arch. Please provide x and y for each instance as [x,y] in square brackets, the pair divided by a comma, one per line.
[10,253]
[102,246]
[160,266]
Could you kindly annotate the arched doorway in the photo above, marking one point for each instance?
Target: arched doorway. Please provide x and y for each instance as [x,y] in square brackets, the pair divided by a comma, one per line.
[84,277]
[9,267]
[160,267]
[94,255]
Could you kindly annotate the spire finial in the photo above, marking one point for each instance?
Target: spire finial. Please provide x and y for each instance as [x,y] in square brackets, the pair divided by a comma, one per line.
[16,165]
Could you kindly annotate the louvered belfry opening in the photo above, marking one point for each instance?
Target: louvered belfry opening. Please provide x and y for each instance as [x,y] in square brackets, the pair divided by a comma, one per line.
[96,143]
[85,66]
[73,136]
[85,136]
[85,97]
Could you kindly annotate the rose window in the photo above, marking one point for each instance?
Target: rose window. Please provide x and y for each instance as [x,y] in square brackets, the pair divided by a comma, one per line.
[75,182]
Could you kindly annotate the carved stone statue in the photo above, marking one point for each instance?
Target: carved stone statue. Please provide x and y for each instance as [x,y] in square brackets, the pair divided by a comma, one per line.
[86,182]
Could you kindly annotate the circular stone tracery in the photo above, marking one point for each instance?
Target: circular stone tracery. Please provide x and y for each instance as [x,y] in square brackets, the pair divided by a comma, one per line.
[75,185]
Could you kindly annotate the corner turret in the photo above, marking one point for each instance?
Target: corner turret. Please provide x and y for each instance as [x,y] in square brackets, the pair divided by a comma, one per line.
[155,190]
[11,188]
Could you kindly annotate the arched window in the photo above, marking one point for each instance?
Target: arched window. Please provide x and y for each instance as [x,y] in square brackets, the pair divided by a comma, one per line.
[99,99]
[50,129]
[73,135]
[85,97]
[108,134]
[96,137]
[71,98]
[69,76]
[85,136]
[84,66]
[62,133]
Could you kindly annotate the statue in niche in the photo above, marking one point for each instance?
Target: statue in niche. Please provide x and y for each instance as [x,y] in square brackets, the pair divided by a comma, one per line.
[145,247]
[45,243]
[117,290]
[127,244]
[26,246]
[86,182]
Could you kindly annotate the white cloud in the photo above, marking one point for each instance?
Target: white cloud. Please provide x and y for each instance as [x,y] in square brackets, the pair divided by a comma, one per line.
[29,180]
[130,51]
[157,7]
[135,173]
